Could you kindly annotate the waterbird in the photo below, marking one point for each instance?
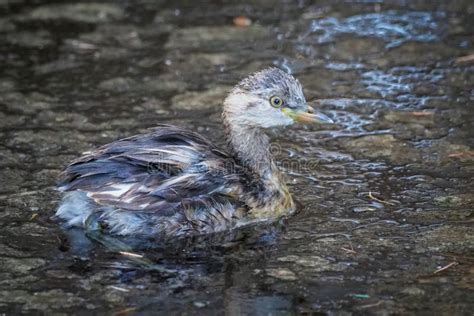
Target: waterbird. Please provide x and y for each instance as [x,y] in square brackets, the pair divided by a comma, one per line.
[172,182]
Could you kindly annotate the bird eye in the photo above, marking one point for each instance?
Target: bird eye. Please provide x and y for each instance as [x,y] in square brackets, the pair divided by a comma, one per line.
[276,102]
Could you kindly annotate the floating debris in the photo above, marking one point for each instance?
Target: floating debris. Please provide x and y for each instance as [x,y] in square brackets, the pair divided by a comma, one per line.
[130,254]
[379,200]
[464,59]
[242,21]
[199,304]
[349,250]
[282,274]
[125,311]
[121,289]
[462,154]
[445,267]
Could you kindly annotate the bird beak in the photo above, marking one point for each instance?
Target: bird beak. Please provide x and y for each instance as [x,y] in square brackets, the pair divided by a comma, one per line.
[310,116]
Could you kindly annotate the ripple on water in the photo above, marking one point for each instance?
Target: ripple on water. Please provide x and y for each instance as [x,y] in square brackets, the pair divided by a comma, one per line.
[399,80]
[393,27]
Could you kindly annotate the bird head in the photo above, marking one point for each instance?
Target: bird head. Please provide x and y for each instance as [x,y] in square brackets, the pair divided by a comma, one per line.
[270,98]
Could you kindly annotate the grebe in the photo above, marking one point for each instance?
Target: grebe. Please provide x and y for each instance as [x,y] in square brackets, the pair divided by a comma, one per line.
[173,182]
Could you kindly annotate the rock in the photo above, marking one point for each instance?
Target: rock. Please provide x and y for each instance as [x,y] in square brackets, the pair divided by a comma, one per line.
[149,85]
[206,60]
[345,48]
[445,239]
[164,83]
[14,281]
[316,263]
[26,103]
[34,39]
[6,25]
[414,291]
[455,201]
[201,100]
[199,304]
[409,54]
[383,146]
[443,152]
[52,299]
[282,274]
[57,66]
[21,265]
[6,85]
[114,297]
[125,35]
[419,118]
[119,84]
[78,12]
[12,178]
[214,36]
[112,53]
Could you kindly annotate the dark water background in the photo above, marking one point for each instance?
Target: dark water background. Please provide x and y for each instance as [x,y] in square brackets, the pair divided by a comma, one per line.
[387,194]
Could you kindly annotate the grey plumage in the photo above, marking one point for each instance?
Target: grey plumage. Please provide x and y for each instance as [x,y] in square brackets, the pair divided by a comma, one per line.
[174,182]
[170,181]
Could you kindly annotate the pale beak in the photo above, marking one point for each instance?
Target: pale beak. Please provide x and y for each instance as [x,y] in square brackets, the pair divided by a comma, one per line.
[310,117]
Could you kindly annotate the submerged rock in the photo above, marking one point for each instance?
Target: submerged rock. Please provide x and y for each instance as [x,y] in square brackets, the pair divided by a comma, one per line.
[119,84]
[206,60]
[46,300]
[35,39]
[7,84]
[446,239]
[315,263]
[148,85]
[79,12]
[214,36]
[6,25]
[455,201]
[201,100]
[384,146]
[282,274]
[164,83]
[21,265]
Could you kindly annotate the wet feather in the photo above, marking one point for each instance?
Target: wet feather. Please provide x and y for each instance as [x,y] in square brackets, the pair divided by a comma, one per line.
[173,182]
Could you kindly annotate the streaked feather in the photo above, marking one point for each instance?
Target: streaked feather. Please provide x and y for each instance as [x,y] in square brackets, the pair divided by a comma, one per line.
[174,182]
[172,175]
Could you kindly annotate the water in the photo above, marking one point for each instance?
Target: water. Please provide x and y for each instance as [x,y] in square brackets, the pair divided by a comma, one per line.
[386,195]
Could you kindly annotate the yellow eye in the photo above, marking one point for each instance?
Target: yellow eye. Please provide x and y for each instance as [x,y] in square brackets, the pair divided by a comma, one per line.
[276,102]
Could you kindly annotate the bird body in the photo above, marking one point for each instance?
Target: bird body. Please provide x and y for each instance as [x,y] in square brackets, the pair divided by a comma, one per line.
[173,182]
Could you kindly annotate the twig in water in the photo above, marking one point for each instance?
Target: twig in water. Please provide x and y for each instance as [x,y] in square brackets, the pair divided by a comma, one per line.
[130,254]
[125,311]
[121,289]
[379,200]
[421,113]
[464,59]
[351,250]
[445,267]
[462,154]
[370,305]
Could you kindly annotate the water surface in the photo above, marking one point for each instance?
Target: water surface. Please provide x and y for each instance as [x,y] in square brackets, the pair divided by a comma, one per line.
[386,195]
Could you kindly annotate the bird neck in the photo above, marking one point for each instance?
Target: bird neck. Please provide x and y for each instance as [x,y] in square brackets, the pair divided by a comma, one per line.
[249,144]
[251,147]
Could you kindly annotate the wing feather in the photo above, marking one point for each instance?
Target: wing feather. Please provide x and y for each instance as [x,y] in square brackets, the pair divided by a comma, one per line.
[155,172]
